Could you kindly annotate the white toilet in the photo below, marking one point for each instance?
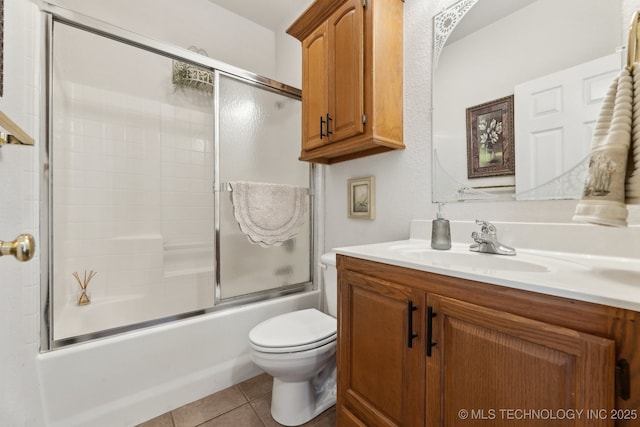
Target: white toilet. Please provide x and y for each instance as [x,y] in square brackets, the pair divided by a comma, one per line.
[298,350]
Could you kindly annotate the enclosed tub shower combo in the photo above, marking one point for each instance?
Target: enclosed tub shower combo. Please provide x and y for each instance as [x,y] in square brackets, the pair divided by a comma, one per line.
[146,145]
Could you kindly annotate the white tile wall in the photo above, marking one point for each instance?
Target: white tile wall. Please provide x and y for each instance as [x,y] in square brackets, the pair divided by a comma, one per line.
[27,393]
[132,192]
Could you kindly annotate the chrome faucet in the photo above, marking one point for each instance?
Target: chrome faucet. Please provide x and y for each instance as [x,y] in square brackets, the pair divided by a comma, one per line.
[487,240]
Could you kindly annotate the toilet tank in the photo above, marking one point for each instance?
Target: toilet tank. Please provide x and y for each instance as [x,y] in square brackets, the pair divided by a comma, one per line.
[330,282]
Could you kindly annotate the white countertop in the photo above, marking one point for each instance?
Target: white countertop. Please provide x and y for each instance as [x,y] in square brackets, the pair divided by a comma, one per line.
[612,281]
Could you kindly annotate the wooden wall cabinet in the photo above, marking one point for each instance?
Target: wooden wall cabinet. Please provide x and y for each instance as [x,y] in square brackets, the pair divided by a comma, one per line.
[352,85]
[420,349]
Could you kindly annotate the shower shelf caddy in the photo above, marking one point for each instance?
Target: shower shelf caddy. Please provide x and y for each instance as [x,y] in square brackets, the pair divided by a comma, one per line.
[187,75]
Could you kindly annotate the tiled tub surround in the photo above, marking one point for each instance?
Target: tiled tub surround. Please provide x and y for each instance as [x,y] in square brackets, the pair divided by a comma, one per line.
[566,260]
[133,164]
[132,200]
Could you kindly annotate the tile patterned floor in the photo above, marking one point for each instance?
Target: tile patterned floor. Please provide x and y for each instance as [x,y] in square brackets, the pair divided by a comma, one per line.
[244,405]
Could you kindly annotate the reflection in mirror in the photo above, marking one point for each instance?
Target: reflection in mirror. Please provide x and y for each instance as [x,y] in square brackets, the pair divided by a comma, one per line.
[547,55]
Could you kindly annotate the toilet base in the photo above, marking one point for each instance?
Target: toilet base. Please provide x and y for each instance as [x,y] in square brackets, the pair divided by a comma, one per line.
[295,403]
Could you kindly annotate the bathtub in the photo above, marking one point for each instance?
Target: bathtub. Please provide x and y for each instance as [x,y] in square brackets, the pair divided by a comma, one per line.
[104,313]
[126,379]
[101,314]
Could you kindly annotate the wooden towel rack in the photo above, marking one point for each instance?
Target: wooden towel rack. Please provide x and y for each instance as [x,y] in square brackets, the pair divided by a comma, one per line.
[632,46]
[12,133]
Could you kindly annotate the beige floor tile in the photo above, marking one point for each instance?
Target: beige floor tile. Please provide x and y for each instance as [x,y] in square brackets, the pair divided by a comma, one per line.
[205,409]
[164,420]
[243,416]
[326,419]
[257,387]
[262,406]
[229,407]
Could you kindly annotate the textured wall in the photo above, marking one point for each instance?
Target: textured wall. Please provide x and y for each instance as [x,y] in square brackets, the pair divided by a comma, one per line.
[403,179]
[403,190]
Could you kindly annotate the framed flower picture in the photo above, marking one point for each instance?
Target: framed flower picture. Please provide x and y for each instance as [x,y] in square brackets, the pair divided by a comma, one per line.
[490,149]
[361,201]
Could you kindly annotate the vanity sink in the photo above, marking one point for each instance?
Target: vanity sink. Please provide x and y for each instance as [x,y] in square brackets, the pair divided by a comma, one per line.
[461,258]
[550,259]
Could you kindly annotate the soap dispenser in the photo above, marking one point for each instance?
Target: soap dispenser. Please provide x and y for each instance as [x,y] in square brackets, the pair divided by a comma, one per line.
[440,231]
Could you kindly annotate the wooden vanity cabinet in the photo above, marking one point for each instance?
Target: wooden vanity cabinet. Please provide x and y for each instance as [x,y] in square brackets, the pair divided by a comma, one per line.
[495,353]
[504,364]
[352,67]
[381,352]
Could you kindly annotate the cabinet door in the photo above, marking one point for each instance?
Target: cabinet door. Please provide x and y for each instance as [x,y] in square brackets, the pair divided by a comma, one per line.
[380,368]
[346,71]
[315,88]
[493,367]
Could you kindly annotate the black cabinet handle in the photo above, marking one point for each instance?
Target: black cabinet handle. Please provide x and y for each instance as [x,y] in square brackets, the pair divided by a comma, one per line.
[410,335]
[321,124]
[328,127]
[623,379]
[430,342]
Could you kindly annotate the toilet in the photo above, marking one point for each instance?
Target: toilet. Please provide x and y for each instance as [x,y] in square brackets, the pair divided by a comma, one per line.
[299,350]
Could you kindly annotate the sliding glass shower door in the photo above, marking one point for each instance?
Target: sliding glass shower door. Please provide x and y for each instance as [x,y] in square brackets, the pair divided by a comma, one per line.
[141,142]
[258,134]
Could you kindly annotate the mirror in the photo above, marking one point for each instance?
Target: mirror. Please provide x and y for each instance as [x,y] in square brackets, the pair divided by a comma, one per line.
[516,91]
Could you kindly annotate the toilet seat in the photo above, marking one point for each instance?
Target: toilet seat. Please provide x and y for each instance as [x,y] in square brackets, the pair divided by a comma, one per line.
[293,332]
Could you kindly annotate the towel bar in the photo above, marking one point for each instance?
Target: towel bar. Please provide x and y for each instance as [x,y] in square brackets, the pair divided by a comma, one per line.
[14,133]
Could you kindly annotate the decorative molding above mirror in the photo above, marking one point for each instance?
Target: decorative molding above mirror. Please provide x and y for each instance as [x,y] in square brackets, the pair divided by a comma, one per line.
[444,23]
[485,50]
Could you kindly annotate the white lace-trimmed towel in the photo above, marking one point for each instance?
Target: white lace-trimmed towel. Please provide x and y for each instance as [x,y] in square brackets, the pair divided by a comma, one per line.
[269,214]
[603,196]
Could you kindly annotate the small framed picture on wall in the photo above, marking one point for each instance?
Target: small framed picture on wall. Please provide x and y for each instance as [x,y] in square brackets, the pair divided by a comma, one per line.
[362,198]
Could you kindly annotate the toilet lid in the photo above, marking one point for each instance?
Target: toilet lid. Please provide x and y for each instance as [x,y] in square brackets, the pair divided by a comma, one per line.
[292,330]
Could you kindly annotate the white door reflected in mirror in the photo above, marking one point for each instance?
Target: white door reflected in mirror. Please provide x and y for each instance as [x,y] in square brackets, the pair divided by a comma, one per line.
[493,50]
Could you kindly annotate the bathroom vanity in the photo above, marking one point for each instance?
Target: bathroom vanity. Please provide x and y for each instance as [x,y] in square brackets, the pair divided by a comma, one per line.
[501,341]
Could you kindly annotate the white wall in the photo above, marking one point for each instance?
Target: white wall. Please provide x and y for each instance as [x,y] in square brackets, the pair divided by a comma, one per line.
[225,36]
[403,179]
[19,284]
[32,387]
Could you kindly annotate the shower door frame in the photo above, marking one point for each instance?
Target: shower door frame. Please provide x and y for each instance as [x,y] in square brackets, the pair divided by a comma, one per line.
[52,14]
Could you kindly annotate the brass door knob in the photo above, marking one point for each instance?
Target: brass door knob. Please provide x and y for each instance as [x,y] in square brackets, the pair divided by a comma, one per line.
[23,247]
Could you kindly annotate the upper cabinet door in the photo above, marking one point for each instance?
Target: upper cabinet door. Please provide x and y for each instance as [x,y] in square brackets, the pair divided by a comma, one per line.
[486,364]
[315,105]
[361,74]
[346,71]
